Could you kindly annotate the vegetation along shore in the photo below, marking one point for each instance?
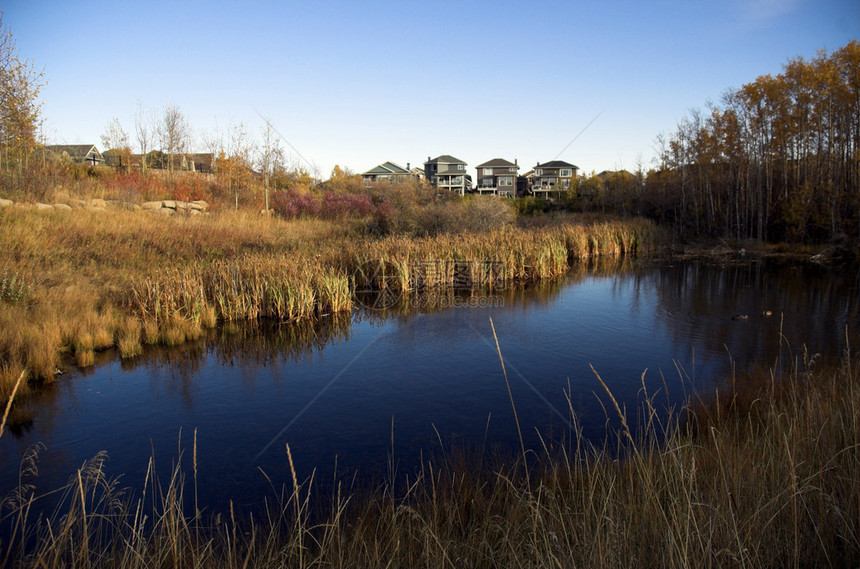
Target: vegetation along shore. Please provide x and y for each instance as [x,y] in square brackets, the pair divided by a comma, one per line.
[97,257]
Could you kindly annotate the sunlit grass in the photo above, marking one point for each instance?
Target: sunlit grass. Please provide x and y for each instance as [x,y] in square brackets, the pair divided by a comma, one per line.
[78,282]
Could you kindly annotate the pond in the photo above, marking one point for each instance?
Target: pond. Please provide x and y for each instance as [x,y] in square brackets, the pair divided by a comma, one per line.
[358,396]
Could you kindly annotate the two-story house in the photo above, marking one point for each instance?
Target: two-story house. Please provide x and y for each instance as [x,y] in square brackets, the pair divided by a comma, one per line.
[497,177]
[552,179]
[448,173]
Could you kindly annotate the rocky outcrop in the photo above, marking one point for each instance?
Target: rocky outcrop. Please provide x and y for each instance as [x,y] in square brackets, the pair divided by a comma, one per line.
[163,207]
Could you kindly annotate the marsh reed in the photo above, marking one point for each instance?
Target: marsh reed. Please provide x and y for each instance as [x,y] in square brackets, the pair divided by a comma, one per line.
[76,283]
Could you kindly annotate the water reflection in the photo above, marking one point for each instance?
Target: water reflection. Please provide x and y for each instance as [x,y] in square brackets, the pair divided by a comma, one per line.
[427,365]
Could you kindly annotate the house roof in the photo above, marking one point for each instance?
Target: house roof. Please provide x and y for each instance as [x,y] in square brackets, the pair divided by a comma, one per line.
[557,164]
[497,163]
[73,150]
[386,168]
[445,159]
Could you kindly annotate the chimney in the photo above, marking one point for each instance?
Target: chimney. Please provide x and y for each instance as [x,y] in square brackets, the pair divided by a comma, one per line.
[407,167]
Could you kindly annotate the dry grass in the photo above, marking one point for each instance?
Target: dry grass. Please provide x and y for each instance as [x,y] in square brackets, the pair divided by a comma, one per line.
[77,282]
[772,482]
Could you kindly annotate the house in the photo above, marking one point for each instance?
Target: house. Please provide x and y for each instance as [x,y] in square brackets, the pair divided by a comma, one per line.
[497,177]
[387,171]
[551,179]
[448,173]
[78,153]
[198,162]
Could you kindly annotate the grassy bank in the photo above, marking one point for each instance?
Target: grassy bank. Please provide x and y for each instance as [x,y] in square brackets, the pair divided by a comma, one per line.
[768,475]
[76,282]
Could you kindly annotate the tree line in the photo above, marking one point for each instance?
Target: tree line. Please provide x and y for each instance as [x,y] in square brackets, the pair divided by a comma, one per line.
[778,159]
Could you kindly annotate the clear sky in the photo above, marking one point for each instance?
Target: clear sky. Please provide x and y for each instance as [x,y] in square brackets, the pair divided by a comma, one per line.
[360,83]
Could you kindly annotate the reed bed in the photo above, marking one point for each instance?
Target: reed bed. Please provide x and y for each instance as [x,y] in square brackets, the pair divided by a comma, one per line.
[75,283]
[764,476]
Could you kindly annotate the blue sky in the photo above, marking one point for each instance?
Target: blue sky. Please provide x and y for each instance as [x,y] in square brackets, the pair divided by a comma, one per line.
[360,83]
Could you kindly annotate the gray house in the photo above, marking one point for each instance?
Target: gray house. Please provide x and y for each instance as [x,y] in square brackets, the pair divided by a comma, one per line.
[552,179]
[78,153]
[448,173]
[388,171]
[497,177]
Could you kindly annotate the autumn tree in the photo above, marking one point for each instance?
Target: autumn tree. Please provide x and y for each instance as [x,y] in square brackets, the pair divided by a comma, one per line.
[115,142]
[233,162]
[174,134]
[144,133]
[270,159]
[778,159]
[19,105]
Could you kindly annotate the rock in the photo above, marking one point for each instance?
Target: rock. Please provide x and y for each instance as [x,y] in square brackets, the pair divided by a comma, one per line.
[6,203]
[151,205]
[195,212]
[62,206]
[96,202]
[169,204]
[196,206]
[181,205]
[203,205]
[166,211]
[43,206]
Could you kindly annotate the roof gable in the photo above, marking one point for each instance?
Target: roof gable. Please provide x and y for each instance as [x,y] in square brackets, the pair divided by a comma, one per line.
[497,163]
[557,164]
[74,150]
[387,168]
[445,159]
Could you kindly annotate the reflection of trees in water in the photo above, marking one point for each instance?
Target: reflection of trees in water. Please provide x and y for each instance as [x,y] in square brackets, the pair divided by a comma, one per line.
[520,294]
[810,306]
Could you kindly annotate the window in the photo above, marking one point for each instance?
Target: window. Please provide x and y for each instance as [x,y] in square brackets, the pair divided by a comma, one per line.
[488,171]
[538,172]
[461,166]
[565,173]
[566,184]
[506,181]
[512,169]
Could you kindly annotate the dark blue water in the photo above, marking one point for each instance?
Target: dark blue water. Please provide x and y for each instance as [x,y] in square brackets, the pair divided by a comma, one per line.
[362,393]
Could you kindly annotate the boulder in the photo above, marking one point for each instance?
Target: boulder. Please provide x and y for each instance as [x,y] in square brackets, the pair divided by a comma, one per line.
[5,203]
[200,204]
[96,202]
[43,206]
[195,212]
[169,204]
[151,205]
[167,211]
[62,206]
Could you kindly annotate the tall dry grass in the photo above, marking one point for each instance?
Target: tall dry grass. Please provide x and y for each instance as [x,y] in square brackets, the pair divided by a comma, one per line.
[78,282]
[765,478]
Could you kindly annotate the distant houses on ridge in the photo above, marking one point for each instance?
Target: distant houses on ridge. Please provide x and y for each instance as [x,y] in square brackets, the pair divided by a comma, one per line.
[497,177]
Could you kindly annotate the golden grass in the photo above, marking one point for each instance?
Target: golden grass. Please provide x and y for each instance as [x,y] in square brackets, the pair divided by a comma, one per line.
[773,482]
[123,279]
